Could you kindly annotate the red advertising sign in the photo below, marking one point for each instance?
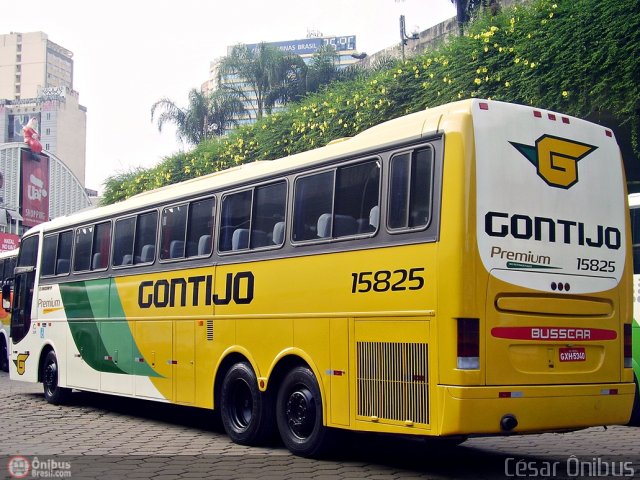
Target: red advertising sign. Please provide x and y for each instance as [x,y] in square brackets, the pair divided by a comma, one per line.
[9,241]
[35,188]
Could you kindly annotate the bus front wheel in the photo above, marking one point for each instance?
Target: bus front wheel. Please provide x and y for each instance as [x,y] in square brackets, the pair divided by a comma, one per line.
[53,393]
[299,414]
[247,414]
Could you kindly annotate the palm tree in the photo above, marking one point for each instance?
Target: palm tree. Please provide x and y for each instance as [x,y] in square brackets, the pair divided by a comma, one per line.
[265,75]
[322,68]
[204,117]
[466,8]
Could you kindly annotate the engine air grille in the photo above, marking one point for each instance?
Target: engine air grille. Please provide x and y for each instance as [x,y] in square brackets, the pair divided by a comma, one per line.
[393,382]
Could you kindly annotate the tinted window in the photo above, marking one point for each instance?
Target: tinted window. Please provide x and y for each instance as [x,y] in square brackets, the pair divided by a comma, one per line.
[323,210]
[236,216]
[145,238]
[28,252]
[173,231]
[82,253]
[101,244]
[49,252]
[410,191]
[200,227]
[313,198]
[123,241]
[186,230]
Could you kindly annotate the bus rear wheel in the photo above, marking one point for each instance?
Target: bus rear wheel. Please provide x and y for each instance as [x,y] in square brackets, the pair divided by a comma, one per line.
[247,414]
[53,393]
[299,414]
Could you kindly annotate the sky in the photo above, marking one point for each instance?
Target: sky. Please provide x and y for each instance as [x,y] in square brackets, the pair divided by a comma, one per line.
[129,54]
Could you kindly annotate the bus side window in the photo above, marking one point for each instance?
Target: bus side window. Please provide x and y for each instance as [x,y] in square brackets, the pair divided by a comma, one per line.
[145,238]
[63,257]
[236,217]
[56,254]
[82,252]
[123,241]
[172,231]
[313,198]
[200,227]
[410,190]
[49,252]
[101,244]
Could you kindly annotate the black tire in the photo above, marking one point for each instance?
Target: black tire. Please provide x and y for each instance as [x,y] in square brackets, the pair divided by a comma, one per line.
[4,355]
[53,393]
[299,414]
[247,414]
[634,421]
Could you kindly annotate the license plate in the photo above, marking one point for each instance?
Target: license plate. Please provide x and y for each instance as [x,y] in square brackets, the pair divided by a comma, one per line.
[576,354]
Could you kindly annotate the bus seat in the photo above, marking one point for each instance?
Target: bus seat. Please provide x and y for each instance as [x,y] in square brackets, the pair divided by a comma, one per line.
[96,262]
[176,249]
[62,266]
[374,217]
[344,225]
[324,225]
[259,239]
[127,259]
[147,253]
[204,245]
[278,233]
[240,239]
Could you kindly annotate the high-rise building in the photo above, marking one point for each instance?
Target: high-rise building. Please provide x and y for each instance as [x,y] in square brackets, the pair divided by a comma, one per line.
[36,91]
[36,80]
[346,54]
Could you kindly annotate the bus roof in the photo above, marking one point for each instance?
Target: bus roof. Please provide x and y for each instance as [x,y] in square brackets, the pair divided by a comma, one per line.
[406,128]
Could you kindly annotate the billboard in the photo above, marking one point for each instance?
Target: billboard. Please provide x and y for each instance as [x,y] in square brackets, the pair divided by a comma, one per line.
[311,45]
[35,188]
[9,241]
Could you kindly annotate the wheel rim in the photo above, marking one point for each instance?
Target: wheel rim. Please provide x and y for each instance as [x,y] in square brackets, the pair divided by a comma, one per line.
[301,412]
[241,405]
[50,379]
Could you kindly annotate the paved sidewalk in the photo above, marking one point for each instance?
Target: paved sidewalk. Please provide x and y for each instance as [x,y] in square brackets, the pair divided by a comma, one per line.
[102,436]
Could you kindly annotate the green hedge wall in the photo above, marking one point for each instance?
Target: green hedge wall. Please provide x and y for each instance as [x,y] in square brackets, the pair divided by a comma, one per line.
[579,57]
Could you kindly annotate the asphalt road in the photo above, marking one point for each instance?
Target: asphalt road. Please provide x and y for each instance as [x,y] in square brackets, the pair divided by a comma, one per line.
[99,436]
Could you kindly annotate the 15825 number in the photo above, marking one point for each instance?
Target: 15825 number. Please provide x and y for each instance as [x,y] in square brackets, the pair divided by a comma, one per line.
[385,280]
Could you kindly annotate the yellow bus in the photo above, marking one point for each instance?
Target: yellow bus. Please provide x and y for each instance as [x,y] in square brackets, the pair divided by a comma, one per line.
[461,270]
[7,264]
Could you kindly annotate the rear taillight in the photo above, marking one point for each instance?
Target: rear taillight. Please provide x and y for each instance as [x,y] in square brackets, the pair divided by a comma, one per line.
[468,343]
[627,346]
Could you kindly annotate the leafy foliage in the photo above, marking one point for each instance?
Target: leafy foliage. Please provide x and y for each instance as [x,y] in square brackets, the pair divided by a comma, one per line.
[580,57]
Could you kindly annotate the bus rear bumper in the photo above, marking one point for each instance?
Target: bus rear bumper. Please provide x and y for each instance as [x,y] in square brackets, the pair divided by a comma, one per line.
[491,410]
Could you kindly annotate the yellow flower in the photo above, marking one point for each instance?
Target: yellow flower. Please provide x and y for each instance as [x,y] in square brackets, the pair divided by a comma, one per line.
[477,81]
[565,93]
[507,84]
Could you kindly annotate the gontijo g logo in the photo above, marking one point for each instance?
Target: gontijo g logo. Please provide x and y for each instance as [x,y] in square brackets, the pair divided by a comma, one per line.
[556,159]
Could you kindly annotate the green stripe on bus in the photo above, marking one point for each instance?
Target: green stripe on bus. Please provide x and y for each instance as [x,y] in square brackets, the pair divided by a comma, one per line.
[100,329]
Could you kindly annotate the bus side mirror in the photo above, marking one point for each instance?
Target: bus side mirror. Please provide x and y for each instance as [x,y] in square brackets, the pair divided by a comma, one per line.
[6,295]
